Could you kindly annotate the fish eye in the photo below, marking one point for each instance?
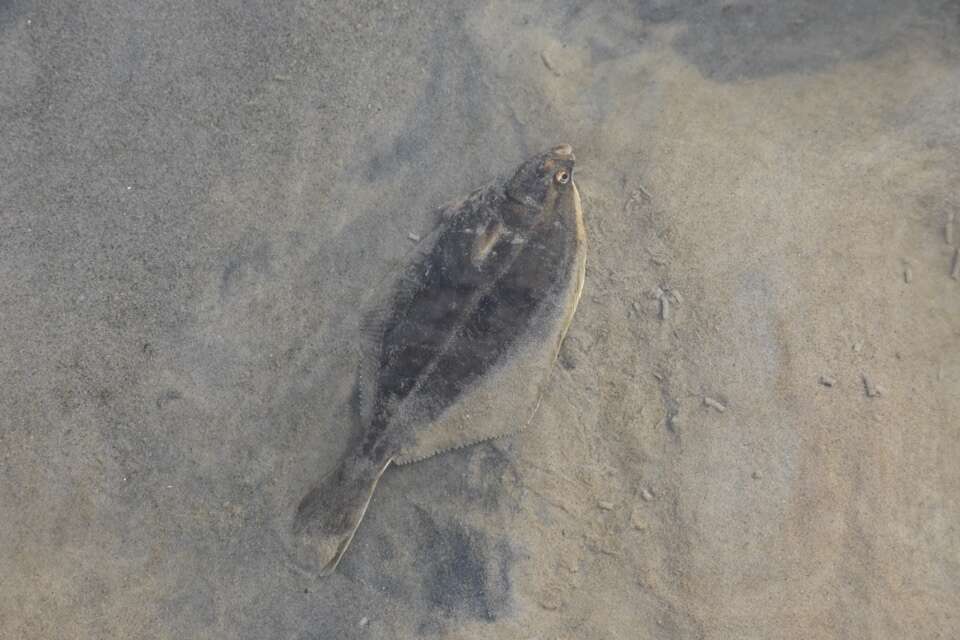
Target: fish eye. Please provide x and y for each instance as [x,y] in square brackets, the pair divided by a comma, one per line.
[562,176]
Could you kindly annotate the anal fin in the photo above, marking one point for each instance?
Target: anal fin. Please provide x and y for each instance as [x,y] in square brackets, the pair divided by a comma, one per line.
[502,403]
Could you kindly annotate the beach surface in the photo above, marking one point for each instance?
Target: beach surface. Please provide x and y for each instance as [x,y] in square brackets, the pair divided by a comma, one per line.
[753,429]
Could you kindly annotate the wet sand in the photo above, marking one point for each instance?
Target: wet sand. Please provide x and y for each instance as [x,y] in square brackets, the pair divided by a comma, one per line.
[754,427]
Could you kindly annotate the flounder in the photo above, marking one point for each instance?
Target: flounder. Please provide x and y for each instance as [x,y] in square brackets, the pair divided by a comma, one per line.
[462,344]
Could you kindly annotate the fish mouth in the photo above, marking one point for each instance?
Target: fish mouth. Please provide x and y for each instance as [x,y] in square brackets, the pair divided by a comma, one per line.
[562,152]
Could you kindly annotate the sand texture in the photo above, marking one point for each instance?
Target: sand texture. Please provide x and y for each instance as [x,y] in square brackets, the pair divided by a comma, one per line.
[753,430]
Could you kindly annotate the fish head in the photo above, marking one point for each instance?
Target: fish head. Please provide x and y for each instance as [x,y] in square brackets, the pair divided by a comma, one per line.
[540,185]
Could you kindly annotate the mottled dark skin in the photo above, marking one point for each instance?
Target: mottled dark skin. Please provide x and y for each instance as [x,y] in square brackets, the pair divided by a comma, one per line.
[499,256]
[463,316]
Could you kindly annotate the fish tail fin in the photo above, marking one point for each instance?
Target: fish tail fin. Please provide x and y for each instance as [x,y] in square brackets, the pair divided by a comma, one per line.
[329,514]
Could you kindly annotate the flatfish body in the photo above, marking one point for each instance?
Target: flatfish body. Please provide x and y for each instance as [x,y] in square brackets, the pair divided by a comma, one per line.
[462,344]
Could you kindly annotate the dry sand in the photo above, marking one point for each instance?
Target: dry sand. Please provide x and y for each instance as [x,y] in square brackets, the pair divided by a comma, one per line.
[192,201]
